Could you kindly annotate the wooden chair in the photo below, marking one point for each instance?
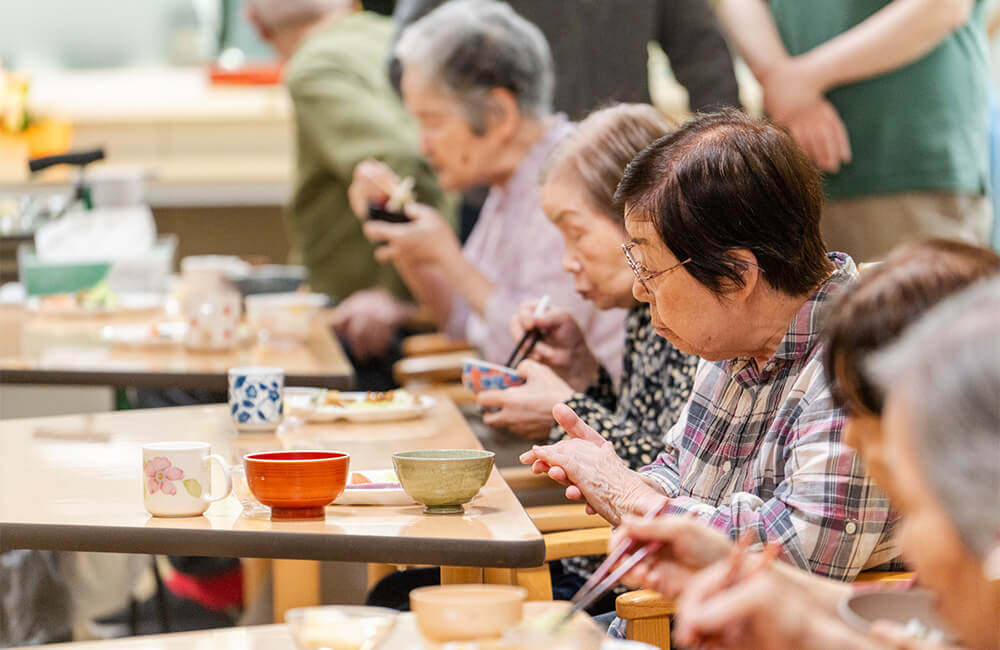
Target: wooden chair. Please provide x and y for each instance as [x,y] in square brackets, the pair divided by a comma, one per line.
[647,614]
[434,361]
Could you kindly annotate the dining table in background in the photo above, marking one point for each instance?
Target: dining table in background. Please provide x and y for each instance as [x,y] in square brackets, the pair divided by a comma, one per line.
[50,349]
[76,485]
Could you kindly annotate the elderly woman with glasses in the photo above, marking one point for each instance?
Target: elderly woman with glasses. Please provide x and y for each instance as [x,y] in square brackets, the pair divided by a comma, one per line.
[479,80]
[722,222]
[941,427]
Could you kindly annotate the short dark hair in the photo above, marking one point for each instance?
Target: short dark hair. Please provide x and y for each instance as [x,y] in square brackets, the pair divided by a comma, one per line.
[726,181]
[886,300]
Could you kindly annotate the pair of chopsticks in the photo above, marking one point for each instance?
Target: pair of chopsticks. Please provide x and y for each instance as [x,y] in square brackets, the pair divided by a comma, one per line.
[607,575]
[531,337]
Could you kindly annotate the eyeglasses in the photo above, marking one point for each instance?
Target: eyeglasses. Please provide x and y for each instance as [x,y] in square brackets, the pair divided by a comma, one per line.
[642,274]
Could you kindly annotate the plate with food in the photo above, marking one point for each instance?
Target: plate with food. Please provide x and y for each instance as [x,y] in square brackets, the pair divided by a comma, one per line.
[98,300]
[374,487]
[369,407]
[145,335]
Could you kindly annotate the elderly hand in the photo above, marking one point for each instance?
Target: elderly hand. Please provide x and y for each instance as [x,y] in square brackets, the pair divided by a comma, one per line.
[821,133]
[367,322]
[526,410]
[563,346]
[790,87]
[373,182]
[587,464]
[689,546]
[426,239]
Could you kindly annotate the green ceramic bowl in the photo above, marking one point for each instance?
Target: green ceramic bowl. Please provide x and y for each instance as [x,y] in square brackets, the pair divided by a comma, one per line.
[443,479]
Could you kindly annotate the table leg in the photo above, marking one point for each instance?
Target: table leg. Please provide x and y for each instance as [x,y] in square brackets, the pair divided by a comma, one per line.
[461,575]
[296,584]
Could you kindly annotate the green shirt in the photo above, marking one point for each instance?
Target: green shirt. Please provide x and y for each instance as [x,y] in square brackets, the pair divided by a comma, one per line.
[920,127]
[345,112]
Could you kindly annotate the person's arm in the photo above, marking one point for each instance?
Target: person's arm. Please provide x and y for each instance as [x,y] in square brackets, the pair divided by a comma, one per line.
[894,36]
[690,36]
[825,513]
[751,27]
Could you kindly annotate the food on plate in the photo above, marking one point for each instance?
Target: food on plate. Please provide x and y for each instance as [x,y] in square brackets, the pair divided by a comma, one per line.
[370,400]
[376,479]
[341,628]
[100,296]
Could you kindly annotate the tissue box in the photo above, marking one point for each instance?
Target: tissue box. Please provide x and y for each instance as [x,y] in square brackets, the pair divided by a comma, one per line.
[149,273]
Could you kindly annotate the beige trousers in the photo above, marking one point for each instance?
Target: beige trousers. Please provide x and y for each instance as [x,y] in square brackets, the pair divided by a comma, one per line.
[868,228]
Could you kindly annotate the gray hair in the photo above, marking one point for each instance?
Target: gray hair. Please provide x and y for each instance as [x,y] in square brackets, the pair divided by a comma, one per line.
[471,47]
[947,369]
[277,14]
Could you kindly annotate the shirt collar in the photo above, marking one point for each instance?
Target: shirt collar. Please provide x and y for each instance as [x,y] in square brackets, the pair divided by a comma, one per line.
[805,330]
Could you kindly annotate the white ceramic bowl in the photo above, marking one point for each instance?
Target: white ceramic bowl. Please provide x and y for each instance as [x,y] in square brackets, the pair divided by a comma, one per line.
[284,315]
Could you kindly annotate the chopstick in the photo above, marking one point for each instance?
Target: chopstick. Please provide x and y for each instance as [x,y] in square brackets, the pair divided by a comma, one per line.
[607,576]
[531,336]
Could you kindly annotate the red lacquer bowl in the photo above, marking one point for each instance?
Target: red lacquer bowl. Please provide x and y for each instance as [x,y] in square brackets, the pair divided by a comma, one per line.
[297,484]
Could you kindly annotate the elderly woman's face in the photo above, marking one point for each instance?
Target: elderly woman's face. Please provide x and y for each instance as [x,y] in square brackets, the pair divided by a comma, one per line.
[459,156]
[683,310]
[591,252]
[930,541]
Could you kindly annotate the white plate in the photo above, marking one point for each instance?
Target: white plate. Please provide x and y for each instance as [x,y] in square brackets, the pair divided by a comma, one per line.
[388,496]
[127,303]
[301,401]
[159,334]
[330,413]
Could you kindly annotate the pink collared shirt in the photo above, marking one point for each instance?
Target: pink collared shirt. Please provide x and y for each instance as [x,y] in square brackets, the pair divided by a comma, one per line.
[515,245]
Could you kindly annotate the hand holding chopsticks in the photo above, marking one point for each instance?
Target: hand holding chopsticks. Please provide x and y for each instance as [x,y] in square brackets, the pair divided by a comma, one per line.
[531,337]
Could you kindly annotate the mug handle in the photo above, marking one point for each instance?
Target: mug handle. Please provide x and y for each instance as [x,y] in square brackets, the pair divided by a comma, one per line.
[208,498]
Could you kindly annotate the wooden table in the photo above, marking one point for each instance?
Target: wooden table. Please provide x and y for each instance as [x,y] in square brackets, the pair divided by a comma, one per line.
[73,483]
[404,636]
[37,349]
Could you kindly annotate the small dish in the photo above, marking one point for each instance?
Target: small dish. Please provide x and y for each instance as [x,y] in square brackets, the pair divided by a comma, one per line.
[339,627]
[466,612]
[374,487]
[352,407]
[145,335]
[443,479]
[478,376]
[301,401]
[862,609]
[68,305]
[297,484]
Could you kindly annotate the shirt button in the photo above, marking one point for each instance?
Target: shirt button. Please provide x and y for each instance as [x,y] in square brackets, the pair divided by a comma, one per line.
[851,528]
[726,466]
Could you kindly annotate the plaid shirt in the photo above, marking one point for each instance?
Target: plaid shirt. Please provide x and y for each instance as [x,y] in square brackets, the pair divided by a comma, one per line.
[758,449]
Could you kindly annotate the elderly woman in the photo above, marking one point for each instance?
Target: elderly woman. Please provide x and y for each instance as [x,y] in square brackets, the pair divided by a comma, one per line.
[479,80]
[943,376]
[722,218]
[578,187]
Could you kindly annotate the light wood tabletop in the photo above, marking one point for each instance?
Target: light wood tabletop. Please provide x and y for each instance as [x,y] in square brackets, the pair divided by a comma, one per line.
[50,349]
[74,483]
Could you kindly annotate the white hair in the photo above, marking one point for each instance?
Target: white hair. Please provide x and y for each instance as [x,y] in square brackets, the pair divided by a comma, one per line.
[471,47]
[946,369]
[276,14]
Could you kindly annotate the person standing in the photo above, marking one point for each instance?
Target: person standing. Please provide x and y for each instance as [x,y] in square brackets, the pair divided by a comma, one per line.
[889,98]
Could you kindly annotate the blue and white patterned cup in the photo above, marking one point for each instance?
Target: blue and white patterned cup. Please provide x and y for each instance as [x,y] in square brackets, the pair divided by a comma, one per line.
[256,398]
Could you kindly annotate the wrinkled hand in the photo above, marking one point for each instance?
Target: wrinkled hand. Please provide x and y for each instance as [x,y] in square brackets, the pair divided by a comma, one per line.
[426,239]
[789,88]
[689,546]
[820,132]
[367,322]
[563,346]
[373,182]
[526,410]
[587,465]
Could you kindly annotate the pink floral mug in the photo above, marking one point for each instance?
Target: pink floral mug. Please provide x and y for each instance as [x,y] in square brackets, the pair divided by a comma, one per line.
[177,478]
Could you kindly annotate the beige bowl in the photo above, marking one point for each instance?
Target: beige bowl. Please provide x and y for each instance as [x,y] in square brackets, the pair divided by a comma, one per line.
[466,612]
[443,479]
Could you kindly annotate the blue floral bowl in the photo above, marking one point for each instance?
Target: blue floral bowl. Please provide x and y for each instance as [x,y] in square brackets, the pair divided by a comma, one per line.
[256,401]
